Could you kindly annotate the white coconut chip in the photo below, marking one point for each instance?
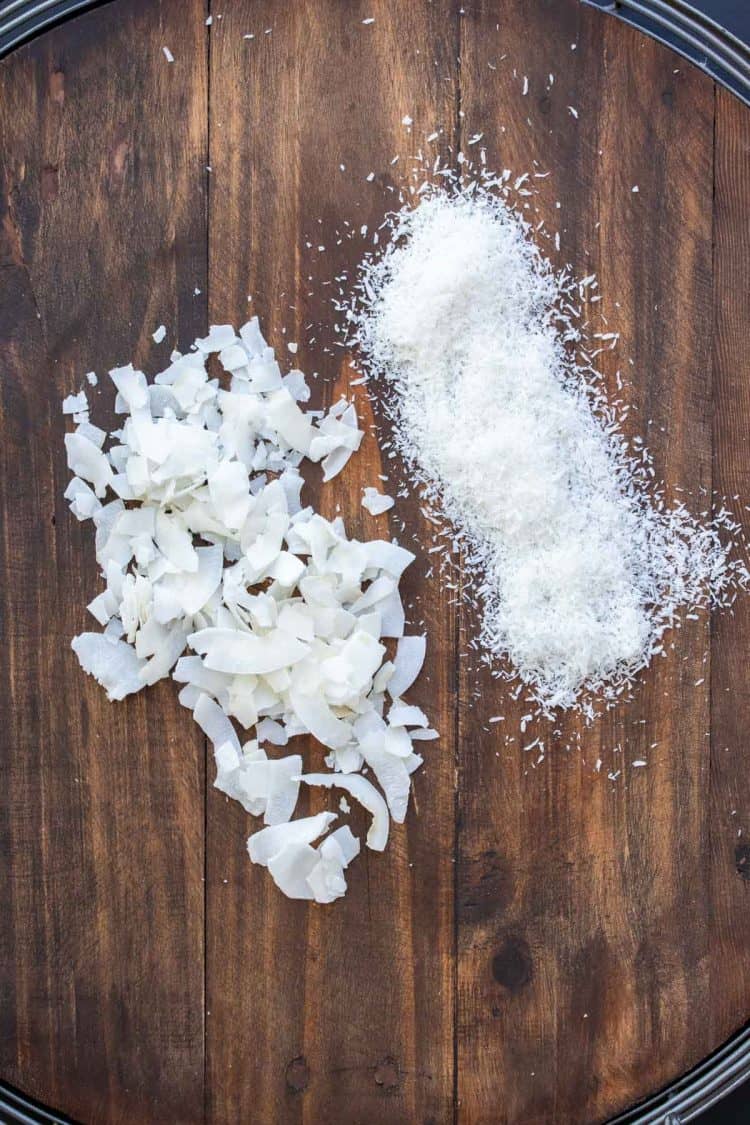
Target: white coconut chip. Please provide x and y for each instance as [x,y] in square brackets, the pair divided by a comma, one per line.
[262,846]
[75,404]
[406,715]
[376,502]
[215,724]
[219,336]
[87,461]
[291,868]
[387,762]
[229,765]
[326,879]
[269,730]
[388,557]
[228,650]
[367,795]
[316,715]
[407,664]
[112,663]
[84,503]
[275,782]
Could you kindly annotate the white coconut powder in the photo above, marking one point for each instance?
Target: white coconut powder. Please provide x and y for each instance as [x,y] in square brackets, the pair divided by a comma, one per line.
[579,565]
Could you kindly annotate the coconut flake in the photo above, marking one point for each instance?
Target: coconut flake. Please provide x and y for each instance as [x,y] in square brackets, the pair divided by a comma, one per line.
[326,879]
[367,795]
[228,650]
[407,664]
[262,846]
[75,404]
[275,782]
[402,714]
[87,461]
[376,502]
[112,663]
[215,724]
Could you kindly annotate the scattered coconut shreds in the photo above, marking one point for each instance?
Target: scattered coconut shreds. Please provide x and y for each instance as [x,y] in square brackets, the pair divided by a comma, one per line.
[264,612]
[168,54]
[579,563]
[159,335]
[376,502]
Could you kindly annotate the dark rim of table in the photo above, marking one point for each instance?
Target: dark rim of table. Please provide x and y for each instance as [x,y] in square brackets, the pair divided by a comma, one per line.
[726,58]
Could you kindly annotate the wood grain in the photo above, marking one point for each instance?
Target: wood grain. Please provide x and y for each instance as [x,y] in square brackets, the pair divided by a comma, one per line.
[590,942]
[103,238]
[346,1014]
[729,855]
[577,972]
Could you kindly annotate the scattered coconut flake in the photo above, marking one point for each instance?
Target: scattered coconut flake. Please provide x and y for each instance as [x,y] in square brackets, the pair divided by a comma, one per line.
[159,334]
[75,404]
[376,502]
[168,54]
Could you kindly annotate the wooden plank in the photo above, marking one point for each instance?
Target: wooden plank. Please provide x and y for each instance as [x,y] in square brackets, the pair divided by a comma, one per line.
[343,1013]
[102,150]
[596,918]
[730,772]
[583,937]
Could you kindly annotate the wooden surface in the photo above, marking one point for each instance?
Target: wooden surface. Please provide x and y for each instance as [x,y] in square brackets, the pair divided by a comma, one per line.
[539,944]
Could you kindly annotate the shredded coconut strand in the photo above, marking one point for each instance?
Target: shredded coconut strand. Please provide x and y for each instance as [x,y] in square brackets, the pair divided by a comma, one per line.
[578,562]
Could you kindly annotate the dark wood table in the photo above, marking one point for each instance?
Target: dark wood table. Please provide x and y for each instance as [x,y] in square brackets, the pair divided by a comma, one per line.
[538,945]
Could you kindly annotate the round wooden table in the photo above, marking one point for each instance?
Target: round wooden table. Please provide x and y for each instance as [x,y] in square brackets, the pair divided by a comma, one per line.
[544,942]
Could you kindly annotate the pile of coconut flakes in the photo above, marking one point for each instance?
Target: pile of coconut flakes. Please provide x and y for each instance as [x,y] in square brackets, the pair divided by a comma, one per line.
[266,613]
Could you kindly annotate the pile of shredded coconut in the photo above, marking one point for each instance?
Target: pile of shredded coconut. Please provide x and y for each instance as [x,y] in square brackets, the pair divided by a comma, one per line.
[579,564]
[267,613]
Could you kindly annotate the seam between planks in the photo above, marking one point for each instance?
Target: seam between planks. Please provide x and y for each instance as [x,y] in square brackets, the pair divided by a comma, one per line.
[712,611]
[456,658]
[207,207]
